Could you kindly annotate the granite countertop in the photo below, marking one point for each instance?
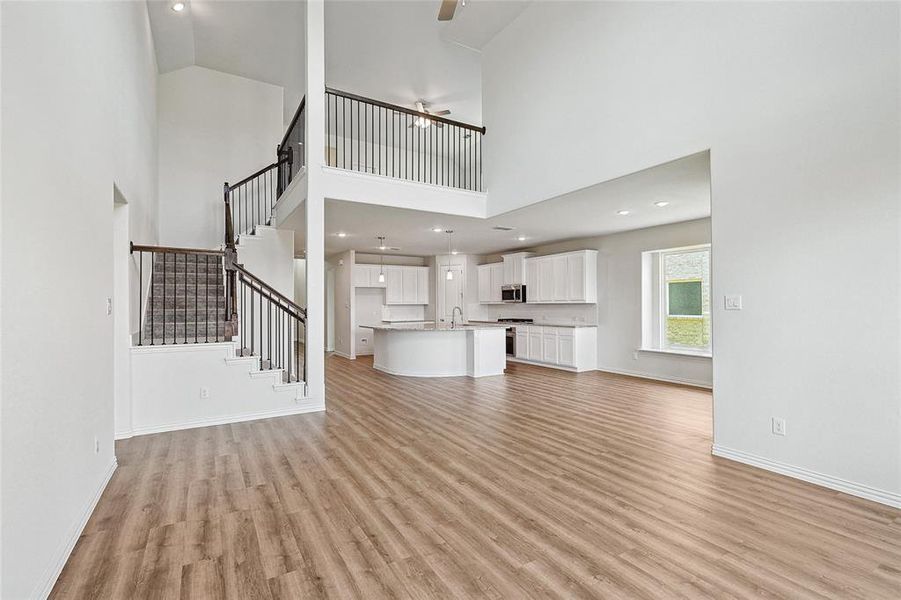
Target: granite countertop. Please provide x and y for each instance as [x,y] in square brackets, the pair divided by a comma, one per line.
[432,326]
[539,324]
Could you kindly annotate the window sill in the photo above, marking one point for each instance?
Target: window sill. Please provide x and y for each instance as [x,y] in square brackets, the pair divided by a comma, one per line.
[698,354]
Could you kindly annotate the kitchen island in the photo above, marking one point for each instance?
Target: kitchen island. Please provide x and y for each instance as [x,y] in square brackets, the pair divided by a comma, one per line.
[429,349]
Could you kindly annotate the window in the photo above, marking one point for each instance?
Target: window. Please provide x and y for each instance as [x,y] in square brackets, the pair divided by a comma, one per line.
[676,300]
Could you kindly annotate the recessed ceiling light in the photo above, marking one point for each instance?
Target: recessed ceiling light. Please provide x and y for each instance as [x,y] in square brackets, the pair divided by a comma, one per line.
[341,234]
[178,6]
[454,252]
[622,212]
[521,238]
[437,230]
[661,203]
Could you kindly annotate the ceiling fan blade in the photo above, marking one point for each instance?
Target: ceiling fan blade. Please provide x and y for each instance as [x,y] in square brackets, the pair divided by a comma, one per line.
[441,113]
[446,12]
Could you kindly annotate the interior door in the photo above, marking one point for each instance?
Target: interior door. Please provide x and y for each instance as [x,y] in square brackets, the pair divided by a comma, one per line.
[450,291]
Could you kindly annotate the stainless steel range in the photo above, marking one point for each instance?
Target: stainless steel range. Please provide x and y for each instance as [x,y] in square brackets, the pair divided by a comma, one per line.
[511,334]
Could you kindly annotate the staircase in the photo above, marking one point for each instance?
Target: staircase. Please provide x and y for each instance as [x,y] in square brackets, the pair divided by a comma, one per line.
[186,302]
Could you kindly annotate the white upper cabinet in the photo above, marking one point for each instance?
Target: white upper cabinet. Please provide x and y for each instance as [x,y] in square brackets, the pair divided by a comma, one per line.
[406,285]
[394,292]
[491,278]
[570,277]
[367,276]
[515,268]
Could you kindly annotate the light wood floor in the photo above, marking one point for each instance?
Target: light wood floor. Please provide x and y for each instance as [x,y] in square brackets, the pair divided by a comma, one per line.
[537,484]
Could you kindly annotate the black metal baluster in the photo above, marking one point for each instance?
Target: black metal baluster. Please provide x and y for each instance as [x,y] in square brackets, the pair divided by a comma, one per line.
[184,288]
[251,290]
[164,299]
[141,299]
[206,289]
[196,285]
[331,129]
[152,298]
[260,294]
[357,142]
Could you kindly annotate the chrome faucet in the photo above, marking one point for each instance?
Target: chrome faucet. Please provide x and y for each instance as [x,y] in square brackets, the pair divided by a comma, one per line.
[454,317]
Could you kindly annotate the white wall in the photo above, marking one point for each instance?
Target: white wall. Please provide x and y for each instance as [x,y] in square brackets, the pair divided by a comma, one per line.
[213,127]
[371,52]
[167,383]
[79,108]
[270,256]
[367,311]
[344,303]
[300,282]
[799,105]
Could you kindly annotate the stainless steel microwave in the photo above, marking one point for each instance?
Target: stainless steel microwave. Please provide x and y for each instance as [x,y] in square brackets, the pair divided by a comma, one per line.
[513,293]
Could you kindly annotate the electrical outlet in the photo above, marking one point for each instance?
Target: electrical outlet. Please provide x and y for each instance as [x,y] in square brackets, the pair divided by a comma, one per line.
[96,445]
[778,426]
[204,393]
[109,306]
[635,355]
[732,302]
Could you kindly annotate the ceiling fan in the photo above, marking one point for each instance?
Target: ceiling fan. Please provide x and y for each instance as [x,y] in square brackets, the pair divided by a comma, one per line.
[447,9]
[425,123]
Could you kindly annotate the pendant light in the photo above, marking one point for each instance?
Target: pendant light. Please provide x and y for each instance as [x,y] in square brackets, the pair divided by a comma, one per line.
[382,259]
[450,274]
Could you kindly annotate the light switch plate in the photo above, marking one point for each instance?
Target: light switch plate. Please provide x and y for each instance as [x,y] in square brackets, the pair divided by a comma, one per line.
[733,302]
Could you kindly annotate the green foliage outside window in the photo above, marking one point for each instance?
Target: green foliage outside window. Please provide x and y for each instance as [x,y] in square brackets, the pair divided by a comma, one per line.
[685,298]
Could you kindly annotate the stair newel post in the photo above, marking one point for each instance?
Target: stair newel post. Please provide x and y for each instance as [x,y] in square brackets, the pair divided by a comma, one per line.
[229,261]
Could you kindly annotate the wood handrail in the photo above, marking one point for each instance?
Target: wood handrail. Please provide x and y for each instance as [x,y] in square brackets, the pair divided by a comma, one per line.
[404,109]
[172,250]
[258,173]
[301,312]
[300,107]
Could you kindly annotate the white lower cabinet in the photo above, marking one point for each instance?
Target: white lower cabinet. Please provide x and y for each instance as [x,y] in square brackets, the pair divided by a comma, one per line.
[565,349]
[536,343]
[549,339]
[573,348]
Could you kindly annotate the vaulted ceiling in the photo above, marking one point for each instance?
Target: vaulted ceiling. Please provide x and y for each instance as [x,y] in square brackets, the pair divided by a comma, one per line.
[398,51]
[262,40]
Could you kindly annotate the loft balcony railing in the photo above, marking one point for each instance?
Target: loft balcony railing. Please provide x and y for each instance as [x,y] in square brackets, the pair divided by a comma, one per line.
[291,154]
[379,138]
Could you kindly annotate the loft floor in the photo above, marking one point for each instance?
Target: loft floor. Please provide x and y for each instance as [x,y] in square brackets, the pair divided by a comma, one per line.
[538,484]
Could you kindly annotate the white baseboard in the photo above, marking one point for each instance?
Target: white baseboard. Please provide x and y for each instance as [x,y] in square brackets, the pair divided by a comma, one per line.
[342,355]
[46,583]
[692,382]
[888,498]
[538,363]
[303,406]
